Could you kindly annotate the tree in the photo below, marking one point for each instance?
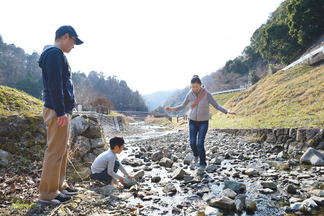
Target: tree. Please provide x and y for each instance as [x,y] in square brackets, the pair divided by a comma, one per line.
[276,42]
[253,78]
[160,110]
[237,66]
[99,102]
[305,20]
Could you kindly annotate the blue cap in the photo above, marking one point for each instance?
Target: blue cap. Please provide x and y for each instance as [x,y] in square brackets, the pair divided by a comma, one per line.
[68,29]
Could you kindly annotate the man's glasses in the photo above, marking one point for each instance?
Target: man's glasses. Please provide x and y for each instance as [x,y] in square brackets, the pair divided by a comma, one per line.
[73,39]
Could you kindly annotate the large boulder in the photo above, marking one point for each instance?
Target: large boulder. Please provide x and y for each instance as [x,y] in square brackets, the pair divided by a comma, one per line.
[223,203]
[178,173]
[166,162]
[4,158]
[81,146]
[79,171]
[139,175]
[97,143]
[189,157]
[235,186]
[157,156]
[308,205]
[129,182]
[94,130]
[78,126]
[312,156]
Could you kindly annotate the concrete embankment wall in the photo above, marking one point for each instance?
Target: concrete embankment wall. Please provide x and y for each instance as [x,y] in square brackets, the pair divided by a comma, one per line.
[285,138]
[115,122]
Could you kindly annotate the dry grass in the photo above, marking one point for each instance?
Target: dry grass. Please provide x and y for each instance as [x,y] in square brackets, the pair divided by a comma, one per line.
[291,98]
[15,102]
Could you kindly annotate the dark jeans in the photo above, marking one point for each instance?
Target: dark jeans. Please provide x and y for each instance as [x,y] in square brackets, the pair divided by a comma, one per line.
[200,128]
[103,176]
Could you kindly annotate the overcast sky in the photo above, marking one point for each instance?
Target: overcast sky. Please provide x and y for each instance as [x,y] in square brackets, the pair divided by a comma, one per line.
[152,45]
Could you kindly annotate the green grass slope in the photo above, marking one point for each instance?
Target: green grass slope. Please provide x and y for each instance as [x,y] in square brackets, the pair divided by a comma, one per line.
[291,98]
[15,102]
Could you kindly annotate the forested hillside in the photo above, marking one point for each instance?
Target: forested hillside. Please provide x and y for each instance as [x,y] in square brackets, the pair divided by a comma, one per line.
[293,28]
[20,70]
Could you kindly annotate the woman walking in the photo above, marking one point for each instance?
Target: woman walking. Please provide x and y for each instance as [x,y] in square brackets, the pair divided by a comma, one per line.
[199,99]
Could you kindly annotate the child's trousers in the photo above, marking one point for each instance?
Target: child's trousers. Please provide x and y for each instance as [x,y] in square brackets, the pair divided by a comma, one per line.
[103,176]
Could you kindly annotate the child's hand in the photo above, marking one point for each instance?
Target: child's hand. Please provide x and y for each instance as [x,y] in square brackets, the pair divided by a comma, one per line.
[129,176]
[121,180]
[116,186]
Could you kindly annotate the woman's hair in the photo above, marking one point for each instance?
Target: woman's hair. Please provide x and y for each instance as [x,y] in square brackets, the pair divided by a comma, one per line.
[195,79]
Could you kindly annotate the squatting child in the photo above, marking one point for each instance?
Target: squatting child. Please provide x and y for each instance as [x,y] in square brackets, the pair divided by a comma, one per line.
[105,166]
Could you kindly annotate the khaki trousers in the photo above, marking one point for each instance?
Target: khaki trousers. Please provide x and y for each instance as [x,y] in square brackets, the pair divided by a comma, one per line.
[55,157]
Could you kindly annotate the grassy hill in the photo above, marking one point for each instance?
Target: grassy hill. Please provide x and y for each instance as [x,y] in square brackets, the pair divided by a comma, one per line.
[291,98]
[15,102]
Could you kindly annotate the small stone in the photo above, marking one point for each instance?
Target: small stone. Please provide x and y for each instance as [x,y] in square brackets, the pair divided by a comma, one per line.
[251,172]
[167,162]
[139,175]
[178,173]
[189,157]
[167,153]
[250,204]
[147,198]
[211,168]
[169,189]
[157,156]
[269,184]
[210,211]
[239,205]
[291,189]
[266,191]
[236,175]
[228,193]
[156,179]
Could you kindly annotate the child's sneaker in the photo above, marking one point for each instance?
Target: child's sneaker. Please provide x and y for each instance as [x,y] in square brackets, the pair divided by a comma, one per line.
[61,198]
[70,191]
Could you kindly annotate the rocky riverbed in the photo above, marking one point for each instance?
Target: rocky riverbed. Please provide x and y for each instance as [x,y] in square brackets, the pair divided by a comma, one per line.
[242,178]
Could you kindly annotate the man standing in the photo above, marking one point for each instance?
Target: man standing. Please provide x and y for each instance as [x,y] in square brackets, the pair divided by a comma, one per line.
[57,114]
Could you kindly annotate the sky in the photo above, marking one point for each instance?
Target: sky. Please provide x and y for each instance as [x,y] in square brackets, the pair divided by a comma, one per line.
[154,45]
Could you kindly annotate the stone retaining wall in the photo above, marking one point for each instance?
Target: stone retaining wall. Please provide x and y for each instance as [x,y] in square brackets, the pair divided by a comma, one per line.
[288,138]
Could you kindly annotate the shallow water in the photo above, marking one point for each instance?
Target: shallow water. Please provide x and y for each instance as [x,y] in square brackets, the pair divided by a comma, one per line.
[152,131]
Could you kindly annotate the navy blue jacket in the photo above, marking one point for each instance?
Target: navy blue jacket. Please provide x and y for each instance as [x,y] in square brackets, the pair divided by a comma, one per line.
[58,86]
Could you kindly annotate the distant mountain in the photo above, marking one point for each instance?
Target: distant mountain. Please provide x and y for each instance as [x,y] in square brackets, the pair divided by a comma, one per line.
[157,99]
